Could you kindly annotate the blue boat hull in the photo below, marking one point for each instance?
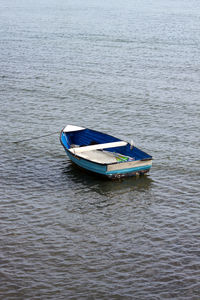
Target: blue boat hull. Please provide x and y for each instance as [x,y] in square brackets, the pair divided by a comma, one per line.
[102,169]
[111,170]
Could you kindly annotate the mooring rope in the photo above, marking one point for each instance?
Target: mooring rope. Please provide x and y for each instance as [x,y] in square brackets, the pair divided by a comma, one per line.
[36,137]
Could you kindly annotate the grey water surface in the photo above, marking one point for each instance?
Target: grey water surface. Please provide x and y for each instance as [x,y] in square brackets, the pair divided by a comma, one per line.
[127,68]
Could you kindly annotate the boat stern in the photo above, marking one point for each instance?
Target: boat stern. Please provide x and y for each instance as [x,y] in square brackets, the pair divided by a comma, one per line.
[128,168]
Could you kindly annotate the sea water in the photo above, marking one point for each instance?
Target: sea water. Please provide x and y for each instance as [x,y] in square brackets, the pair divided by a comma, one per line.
[127,68]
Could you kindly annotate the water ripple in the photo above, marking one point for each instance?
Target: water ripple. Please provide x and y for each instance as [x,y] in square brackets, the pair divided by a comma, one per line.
[66,234]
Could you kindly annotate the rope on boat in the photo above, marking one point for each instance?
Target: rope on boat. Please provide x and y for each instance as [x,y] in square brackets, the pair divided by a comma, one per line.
[36,137]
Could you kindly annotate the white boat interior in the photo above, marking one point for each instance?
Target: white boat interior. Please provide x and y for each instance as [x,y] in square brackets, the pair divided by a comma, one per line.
[98,156]
[96,153]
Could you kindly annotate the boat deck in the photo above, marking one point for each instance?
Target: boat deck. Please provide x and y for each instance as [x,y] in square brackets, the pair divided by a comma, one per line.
[103,157]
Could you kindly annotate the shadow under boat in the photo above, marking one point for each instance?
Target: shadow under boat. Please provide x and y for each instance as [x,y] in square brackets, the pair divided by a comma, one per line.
[101,184]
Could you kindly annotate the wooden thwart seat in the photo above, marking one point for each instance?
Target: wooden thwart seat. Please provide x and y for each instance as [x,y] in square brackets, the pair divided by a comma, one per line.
[98,146]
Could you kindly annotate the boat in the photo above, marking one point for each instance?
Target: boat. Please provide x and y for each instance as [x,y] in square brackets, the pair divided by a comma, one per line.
[103,154]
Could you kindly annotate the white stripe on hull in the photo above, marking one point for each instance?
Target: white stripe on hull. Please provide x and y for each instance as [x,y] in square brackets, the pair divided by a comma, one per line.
[128,165]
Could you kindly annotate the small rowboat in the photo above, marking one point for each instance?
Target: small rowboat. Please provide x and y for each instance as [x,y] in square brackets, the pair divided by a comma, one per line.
[103,154]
